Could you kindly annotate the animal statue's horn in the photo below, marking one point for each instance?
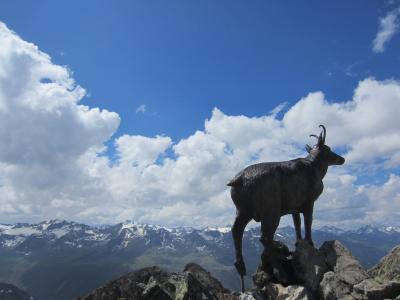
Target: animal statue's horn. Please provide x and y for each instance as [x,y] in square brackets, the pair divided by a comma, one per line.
[323,133]
[314,136]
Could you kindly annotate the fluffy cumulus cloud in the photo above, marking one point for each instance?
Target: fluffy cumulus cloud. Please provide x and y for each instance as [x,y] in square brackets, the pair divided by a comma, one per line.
[388,27]
[45,132]
[53,161]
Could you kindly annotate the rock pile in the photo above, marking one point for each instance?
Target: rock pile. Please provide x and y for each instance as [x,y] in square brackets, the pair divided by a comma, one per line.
[327,273]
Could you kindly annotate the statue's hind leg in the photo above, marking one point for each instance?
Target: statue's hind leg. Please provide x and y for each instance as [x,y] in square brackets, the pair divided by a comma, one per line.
[238,227]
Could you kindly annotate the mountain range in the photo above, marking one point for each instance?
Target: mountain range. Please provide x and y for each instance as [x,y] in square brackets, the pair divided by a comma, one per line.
[62,260]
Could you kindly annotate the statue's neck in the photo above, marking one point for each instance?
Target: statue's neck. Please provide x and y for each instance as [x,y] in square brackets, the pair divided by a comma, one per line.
[320,166]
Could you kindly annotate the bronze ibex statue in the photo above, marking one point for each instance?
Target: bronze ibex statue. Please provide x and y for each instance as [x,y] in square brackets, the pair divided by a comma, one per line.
[266,191]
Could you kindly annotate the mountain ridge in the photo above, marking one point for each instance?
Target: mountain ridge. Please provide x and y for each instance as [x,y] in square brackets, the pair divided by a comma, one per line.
[74,258]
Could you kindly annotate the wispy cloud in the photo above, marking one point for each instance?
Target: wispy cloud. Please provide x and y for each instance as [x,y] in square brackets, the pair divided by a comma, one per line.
[279,108]
[388,27]
[141,108]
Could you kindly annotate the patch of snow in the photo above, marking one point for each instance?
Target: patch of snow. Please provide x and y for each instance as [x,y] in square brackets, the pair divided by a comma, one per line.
[45,225]
[59,232]
[205,236]
[95,236]
[4,227]
[201,248]
[24,231]
[391,229]
[11,243]
[224,229]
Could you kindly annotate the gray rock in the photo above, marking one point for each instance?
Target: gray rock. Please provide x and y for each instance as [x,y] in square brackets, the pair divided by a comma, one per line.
[309,265]
[154,284]
[276,262]
[388,268]
[332,287]
[342,263]
[211,285]
[253,295]
[154,292]
[373,290]
[292,292]
[365,285]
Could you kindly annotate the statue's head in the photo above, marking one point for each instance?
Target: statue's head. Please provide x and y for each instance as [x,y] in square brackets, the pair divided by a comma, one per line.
[323,152]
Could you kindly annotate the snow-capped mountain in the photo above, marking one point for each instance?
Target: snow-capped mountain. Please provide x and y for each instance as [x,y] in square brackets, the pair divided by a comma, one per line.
[55,234]
[41,257]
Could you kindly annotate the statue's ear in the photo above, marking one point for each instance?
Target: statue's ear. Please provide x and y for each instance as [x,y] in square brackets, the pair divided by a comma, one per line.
[308,148]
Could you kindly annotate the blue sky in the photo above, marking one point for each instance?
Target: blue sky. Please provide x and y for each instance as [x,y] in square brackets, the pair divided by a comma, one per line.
[170,99]
[183,58]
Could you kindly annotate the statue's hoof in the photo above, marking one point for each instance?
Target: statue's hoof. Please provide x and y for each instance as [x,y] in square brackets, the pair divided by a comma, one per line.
[240,267]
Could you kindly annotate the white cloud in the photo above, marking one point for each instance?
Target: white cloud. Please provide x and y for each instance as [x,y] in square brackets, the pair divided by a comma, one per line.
[53,163]
[141,108]
[44,132]
[388,27]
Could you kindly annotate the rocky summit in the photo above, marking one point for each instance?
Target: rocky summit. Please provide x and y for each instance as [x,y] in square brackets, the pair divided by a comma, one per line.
[153,283]
[328,273]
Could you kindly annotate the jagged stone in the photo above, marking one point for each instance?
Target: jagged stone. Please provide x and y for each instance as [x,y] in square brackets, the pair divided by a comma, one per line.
[269,291]
[332,287]
[309,265]
[388,268]
[154,292]
[329,273]
[191,288]
[212,285]
[292,292]
[261,278]
[130,286]
[252,295]
[276,262]
[342,263]
[365,285]
[154,284]
[388,290]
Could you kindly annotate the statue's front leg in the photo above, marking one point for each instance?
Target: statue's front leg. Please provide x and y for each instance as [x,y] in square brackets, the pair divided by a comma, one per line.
[297,225]
[308,218]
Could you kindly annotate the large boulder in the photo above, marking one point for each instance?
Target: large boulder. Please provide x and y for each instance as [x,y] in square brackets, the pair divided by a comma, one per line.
[276,262]
[212,286]
[332,287]
[293,292]
[372,290]
[309,265]
[345,272]
[388,268]
[342,263]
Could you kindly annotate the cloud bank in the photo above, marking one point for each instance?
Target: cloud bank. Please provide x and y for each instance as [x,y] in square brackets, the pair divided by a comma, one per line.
[53,161]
